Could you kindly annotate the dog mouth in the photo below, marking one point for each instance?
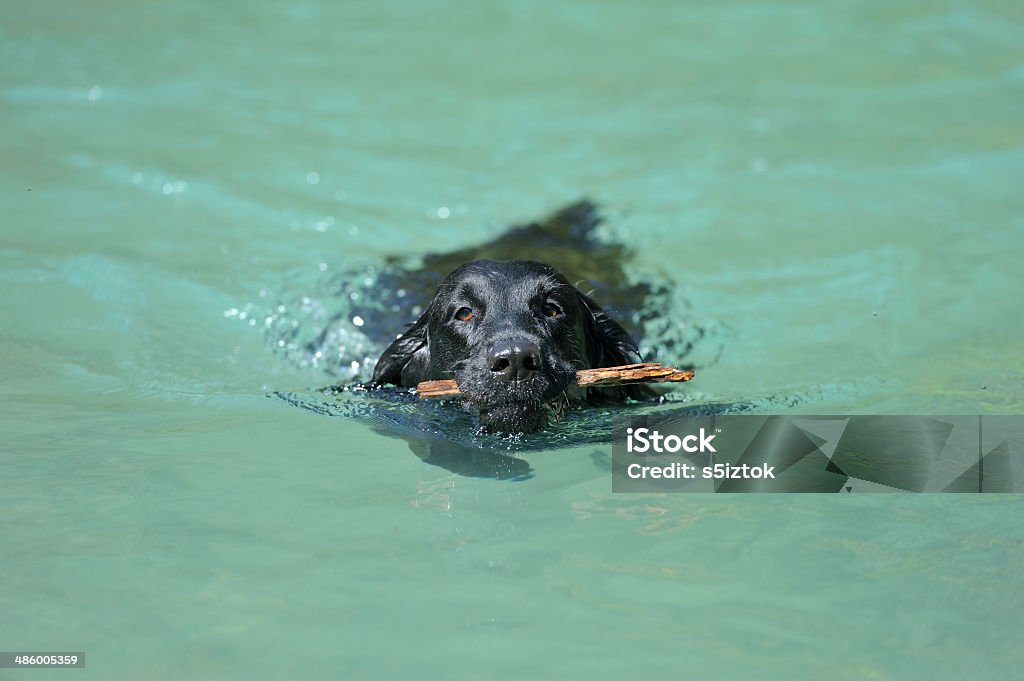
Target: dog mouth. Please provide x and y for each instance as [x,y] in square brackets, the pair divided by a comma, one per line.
[517,406]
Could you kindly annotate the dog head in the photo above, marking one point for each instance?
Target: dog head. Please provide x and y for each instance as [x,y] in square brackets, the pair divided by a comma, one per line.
[512,334]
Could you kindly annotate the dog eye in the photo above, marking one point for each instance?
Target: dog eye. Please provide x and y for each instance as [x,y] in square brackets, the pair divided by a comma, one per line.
[551,310]
[464,314]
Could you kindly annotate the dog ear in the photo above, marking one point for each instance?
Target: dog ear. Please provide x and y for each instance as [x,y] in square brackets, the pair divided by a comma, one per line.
[611,345]
[406,361]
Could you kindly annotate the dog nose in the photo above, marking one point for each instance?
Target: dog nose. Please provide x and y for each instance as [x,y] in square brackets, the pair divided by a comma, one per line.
[514,360]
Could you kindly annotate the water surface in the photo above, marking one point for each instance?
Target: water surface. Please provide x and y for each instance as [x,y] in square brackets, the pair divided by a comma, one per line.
[832,186]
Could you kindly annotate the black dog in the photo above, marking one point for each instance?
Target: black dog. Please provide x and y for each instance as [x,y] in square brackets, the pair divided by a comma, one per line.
[512,334]
[506,298]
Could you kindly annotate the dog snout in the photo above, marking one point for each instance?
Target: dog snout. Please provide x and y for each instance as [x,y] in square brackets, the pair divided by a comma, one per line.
[514,360]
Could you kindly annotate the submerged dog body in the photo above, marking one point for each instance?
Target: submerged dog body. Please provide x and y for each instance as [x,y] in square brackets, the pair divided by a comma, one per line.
[512,334]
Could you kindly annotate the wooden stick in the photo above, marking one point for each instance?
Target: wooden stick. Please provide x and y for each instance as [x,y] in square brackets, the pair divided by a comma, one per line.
[649,372]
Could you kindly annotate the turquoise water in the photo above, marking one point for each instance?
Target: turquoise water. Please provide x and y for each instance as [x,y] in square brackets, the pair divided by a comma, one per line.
[833,186]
